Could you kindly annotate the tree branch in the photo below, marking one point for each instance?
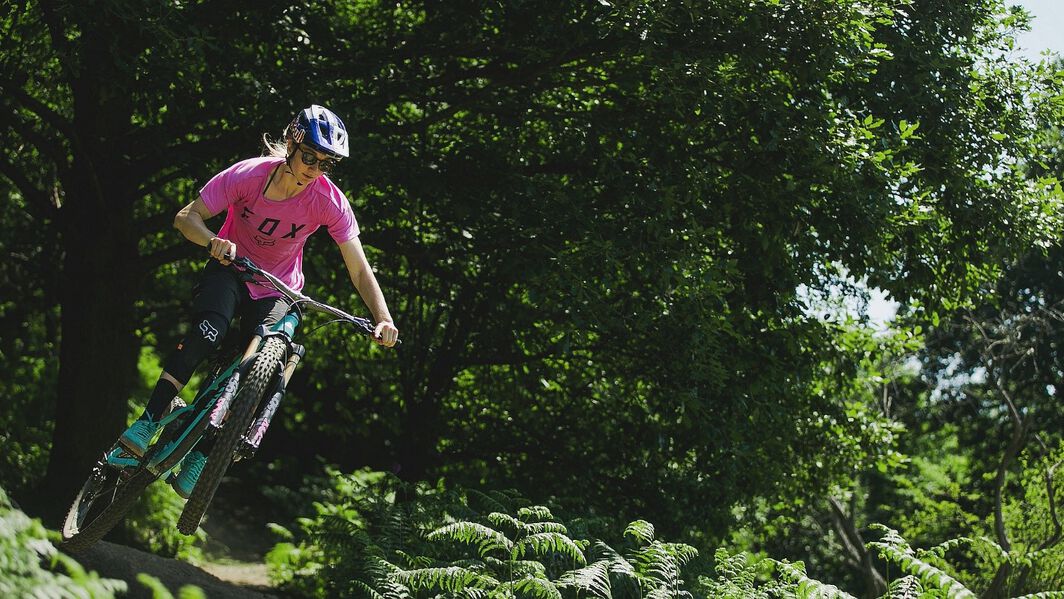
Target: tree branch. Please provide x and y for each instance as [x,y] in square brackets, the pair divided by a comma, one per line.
[60,42]
[854,544]
[1058,531]
[996,370]
[39,108]
[37,197]
[48,147]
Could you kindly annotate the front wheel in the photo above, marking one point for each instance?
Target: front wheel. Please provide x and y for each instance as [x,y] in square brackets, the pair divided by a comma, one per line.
[104,498]
[260,378]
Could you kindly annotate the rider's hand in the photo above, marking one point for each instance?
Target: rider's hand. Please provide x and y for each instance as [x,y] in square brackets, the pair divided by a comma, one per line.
[386,334]
[221,250]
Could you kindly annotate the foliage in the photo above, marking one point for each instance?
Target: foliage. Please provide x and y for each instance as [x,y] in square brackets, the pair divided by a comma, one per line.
[601,227]
[895,549]
[151,525]
[662,171]
[438,541]
[740,579]
[999,364]
[365,540]
[159,590]
[544,191]
[27,348]
[30,565]
[1034,522]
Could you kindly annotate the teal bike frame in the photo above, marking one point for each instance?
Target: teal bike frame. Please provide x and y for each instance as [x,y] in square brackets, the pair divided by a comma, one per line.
[162,457]
[160,460]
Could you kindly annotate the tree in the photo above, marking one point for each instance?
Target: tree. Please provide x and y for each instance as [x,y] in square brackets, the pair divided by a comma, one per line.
[120,110]
[599,218]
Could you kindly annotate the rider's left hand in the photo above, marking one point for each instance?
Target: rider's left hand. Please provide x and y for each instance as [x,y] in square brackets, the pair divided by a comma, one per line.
[386,334]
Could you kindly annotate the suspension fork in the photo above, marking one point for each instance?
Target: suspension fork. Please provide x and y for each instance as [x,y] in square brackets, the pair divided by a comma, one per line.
[221,408]
[225,398]
[253,437]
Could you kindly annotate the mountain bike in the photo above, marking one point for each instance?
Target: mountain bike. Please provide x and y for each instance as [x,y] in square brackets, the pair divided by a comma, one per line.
[234,406]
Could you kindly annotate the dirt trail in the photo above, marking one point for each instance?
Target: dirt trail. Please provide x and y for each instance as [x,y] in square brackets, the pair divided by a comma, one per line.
[124,563]
[237,542]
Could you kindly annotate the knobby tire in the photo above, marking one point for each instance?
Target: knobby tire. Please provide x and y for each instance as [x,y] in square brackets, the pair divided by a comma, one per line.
[77,538]
[260,378]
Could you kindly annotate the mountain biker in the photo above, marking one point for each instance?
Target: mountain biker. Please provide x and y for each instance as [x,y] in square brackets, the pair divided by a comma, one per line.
[273,204]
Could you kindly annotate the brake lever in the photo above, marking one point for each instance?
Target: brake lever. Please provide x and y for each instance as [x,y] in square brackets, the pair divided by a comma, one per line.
[368,329]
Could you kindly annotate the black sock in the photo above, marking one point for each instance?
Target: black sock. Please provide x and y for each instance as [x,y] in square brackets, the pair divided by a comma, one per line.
[160,400]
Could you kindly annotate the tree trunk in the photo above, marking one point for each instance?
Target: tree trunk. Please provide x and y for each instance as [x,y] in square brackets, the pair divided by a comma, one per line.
[420,424]
[420,429]
[98,348]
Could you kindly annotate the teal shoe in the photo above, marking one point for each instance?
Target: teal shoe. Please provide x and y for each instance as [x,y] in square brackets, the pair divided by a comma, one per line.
[191,467]
[137,437]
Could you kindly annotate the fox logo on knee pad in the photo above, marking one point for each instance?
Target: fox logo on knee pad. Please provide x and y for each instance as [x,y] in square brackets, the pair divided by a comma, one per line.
[209,332]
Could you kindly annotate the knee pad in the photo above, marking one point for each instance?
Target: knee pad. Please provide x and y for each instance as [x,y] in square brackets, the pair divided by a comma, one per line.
[206,334]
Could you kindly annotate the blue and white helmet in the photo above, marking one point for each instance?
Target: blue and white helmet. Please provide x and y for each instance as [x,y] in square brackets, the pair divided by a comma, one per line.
[321,129]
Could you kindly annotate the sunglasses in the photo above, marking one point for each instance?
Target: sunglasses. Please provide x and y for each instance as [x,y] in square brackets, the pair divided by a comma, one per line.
[309,158]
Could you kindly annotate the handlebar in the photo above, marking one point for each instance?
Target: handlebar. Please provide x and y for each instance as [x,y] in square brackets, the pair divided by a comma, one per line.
[364,325]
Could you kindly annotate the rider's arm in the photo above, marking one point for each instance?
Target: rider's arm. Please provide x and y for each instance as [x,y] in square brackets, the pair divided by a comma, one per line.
[191,221]
[366,284]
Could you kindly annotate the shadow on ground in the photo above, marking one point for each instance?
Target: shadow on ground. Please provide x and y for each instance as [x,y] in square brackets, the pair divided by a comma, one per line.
[125,563]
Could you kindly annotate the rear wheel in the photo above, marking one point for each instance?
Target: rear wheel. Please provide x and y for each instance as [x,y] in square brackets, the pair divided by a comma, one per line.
[106,496]
[260,378]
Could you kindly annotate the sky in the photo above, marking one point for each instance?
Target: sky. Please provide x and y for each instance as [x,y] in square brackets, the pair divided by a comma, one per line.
[1047,30]
[1047,33]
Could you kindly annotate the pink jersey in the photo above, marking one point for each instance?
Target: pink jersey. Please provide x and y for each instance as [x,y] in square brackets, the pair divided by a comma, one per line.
[273,233]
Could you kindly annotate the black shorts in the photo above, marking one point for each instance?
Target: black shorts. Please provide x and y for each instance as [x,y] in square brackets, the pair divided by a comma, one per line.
[220,290]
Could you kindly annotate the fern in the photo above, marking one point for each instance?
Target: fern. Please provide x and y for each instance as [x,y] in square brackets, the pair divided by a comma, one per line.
[808,587]
[893,548]
[502,592]
[535,513]
[928,574]
[412,562]
[451,578]
[593,578]
[641,530]
[538,527]
[618,565]
[374,576]
[992,550]
[660,564]
[537,588]
[665,593]
[495,501]
[501,520]
[941,549]
[736,577]
[492,501]
[734,569]
[519,567]
[486,539]
[364,590]
[340,534]
[905,588]
[547,543]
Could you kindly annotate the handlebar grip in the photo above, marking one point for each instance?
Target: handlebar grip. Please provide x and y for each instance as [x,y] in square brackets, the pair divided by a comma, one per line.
[228,256]
[368,328]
